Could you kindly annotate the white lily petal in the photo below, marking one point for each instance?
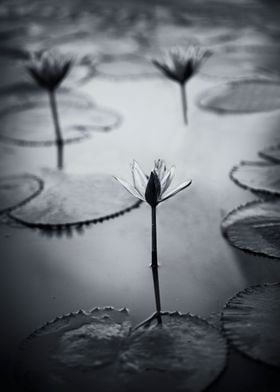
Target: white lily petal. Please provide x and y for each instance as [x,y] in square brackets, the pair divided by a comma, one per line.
[129,188]
[168,178]
[176,190]
[140,175]
[160,168]
[138,182]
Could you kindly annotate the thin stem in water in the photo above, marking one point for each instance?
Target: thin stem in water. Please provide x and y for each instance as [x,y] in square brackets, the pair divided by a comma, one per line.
[155,265]
[184,102]
[58,134]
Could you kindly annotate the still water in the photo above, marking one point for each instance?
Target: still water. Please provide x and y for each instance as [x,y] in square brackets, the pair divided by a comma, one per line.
[108,263]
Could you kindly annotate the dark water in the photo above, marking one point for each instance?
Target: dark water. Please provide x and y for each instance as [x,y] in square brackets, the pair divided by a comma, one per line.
[108,264]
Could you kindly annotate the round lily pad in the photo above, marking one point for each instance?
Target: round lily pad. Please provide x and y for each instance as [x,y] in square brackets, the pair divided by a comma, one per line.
[254,227]
[99,350]
[127,69]
[225,66]
[27,94]
[251,322]
[17,190]
[68,353]
[247,96]
[74,199]
[30,122]
[271,153]
[261,177]
[240,61]
[185,354]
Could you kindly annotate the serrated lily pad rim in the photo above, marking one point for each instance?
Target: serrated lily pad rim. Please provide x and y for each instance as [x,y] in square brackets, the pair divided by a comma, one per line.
[263,153]
[78,224]
[231,84]
[236,210]
[37,179]
[65,316]
[243,292]
[189,316]
[247,187]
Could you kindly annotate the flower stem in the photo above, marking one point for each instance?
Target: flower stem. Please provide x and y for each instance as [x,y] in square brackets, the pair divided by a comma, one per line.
[184,102]
[155,265]
[58,135]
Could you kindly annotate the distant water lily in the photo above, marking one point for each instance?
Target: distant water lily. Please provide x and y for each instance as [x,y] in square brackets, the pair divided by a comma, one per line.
[49,69]
[153,190]
[180,64]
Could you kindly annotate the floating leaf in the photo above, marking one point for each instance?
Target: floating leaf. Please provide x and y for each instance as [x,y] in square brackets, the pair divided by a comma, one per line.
[224,66]
[251,322]
[28,94]
[26,118]
[68,354]
[271,153]
[73,199]
[240,61]
[258,176]
[98,350]
[186,354]
[127,69]
[17,190]
[247,96]
[255,228]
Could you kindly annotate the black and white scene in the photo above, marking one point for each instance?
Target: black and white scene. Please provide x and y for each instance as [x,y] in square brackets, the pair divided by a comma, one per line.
[140,195]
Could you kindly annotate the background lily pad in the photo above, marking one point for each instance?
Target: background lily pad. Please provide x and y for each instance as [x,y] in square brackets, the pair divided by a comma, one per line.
[98,350]
[271,153]
[247,96]
[17,190]
[258,176]
[74,199]
[134,68]
[26,117]
[254,227]
[251,322]
[240,61]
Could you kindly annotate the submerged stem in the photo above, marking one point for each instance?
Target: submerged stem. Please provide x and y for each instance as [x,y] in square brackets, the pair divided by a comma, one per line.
[155,265]
[184,102]
[58,134]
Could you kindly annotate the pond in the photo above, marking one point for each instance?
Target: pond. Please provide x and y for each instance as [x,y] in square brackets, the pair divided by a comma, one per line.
[135,113]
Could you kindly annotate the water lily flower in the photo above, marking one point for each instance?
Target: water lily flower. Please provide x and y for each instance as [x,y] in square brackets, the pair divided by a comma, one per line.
[180,64]
[49,68]
[155,188]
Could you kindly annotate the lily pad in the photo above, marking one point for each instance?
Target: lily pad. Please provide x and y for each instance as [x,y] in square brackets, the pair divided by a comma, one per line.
[254,227]
[261,177]
[247,96]
[127,69]
[30,122]
[224,66]
[75,199]
[251,322]
[17,190]
[242,61]
[187,353]
[271,153]
[99,350]
[28,94]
